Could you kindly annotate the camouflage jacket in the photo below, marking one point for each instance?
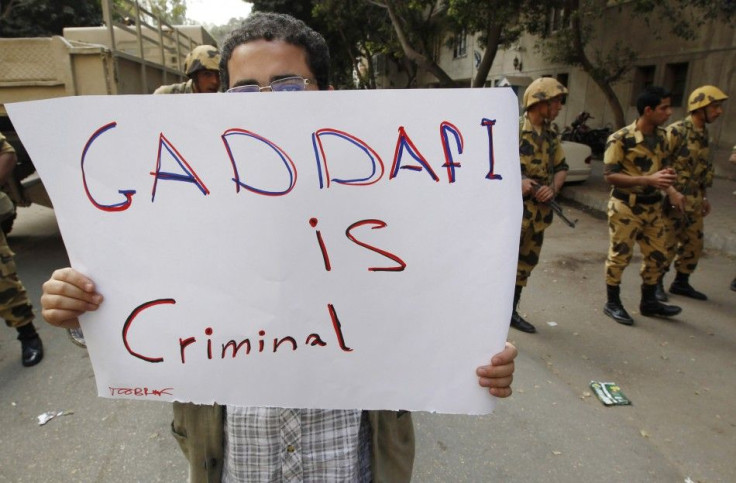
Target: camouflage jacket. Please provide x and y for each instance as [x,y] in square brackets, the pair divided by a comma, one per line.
[690,156]
[541,158]
[181,88]
[541,155]
[629,152]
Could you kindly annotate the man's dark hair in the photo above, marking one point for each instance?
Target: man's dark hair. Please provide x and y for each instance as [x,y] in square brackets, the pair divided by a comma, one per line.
[651,97]
[279,26]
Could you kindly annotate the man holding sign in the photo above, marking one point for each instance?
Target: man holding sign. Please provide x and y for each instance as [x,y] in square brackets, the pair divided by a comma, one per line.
[271,52]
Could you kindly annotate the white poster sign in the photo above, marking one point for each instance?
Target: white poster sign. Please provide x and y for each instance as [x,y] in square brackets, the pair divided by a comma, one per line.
[314,250]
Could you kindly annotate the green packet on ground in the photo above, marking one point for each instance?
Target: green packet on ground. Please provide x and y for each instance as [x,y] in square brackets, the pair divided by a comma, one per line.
[609,393]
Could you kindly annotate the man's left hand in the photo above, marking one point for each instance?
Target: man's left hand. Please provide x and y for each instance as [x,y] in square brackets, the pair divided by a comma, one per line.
[498,375]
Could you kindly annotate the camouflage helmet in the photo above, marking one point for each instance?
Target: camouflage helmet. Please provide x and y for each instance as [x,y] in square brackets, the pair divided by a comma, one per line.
[704,96]
[203,57]
[542,89]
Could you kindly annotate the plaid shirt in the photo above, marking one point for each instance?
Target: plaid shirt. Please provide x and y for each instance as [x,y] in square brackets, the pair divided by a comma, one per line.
[290,445]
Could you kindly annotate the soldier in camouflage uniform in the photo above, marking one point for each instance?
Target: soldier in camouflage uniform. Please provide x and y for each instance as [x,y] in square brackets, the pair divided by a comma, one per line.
[15,307]
[543,172]
[202,66]
[634,163]
[686,204]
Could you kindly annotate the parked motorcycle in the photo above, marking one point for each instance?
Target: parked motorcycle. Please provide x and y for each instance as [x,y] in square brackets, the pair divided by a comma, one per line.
[580,132]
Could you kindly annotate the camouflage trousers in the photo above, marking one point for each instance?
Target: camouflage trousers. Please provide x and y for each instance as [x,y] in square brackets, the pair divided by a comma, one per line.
[15,307]
[684,236]
[530,247]
[638,224]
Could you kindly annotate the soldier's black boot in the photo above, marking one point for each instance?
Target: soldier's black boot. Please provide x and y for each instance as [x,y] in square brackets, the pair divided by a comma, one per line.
[31,345]
[733,285]
[517,321]
[681,286]
[660,293]
[614,308]
[651,307]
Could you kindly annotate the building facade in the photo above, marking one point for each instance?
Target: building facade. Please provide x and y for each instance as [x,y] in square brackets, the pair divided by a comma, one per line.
[670,61]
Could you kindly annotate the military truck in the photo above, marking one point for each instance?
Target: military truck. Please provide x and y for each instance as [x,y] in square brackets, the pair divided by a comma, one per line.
[130,54]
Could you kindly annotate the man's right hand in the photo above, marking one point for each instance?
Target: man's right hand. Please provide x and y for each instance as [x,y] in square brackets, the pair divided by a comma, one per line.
[67,295]
[663,178]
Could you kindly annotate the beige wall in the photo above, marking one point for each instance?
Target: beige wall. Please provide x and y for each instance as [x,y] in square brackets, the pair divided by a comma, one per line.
[711,60]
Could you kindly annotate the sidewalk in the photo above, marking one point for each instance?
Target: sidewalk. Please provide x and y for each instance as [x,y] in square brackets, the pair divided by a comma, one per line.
[720,225]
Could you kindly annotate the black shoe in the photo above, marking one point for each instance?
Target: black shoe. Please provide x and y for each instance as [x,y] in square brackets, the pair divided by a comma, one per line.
[654,309]
[618,313]
[660,293]
[32,351]
[733,285]
[518,323]
[679,288]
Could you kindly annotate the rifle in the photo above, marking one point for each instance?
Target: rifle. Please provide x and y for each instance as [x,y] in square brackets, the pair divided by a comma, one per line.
[557,209]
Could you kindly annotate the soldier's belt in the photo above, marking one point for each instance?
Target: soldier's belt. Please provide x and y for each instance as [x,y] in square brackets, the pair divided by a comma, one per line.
[633,198]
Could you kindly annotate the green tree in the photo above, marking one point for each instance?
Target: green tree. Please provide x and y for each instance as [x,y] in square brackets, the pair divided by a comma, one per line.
[173,12]
[421,24]
[301,9]
[341,60]
[496,23]
[42,18]
[575,42]
[219,32]
[359,31]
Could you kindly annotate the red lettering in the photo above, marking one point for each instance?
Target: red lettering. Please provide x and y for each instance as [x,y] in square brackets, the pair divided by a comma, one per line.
[128,194]
[183,343]
[378,224]
[129,322]
[338,328]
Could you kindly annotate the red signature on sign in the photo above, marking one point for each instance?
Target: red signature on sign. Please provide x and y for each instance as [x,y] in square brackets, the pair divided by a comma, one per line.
[140,391]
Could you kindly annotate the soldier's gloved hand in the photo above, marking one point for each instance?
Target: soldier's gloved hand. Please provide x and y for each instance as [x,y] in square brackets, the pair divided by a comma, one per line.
[67,295]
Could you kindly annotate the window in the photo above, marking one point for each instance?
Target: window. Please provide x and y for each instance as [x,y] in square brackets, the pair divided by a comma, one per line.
[460,45]
[643,78]
[557,19]
[675,77]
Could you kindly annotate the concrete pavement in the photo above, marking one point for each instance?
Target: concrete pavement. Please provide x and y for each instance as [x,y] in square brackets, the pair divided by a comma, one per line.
[720,225]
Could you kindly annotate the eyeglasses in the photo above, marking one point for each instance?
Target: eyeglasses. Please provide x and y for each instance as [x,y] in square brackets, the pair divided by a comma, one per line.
[287,84]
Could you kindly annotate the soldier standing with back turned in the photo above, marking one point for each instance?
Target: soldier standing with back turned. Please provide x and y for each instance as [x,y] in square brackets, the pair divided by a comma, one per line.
[543,172]
[634,163]
[686,204]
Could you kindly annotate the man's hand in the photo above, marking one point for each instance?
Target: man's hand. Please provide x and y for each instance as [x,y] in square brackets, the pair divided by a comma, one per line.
[677,200]
[498,375]
[527,186]
[662,179]
[67,295]
[545,194]
[706,207]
